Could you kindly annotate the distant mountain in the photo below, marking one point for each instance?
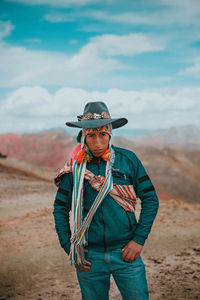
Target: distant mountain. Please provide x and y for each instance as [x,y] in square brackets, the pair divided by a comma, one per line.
[181,136]
[131,133]
[49,148]
[175,172]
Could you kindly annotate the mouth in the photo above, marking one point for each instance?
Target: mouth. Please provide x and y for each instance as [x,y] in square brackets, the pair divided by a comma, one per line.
[98,152]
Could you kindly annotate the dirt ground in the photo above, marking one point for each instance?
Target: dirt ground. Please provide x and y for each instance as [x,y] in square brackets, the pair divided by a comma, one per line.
[34,266]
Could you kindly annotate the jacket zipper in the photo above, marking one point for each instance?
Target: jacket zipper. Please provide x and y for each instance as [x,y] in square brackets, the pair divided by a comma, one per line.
[130,225]
[104,226]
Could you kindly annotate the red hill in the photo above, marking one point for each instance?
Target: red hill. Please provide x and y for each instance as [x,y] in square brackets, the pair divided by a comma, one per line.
[50,148]
[174,172]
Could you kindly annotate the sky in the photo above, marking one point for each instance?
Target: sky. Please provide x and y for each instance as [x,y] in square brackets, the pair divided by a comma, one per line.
[141,57]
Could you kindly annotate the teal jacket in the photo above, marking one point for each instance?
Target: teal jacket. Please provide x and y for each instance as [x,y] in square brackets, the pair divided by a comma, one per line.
[111,227]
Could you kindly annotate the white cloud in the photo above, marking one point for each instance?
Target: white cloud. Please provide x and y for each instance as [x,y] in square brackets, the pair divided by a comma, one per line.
[179,22]
[5,28]
[165,13]
[57,3]
[101,15]
[33,40]
[184,11]
[21,66]
[59,17]
[73,42]
[194,69]
[131,44]
[189,5]
[34,108]
[123,17]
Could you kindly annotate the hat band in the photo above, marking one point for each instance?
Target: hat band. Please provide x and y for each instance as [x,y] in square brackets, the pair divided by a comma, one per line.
[106,129]
[94,116]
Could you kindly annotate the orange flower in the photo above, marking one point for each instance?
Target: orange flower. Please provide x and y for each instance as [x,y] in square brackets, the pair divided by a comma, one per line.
[107,155]
[80,156]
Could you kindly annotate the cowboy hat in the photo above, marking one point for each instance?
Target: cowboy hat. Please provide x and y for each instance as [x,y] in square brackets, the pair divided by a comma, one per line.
[96,114]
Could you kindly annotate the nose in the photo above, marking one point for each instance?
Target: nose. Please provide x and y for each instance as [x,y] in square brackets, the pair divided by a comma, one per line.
[98,142]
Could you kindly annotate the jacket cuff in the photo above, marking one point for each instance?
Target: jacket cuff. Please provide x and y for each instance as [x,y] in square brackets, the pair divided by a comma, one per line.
[139,239]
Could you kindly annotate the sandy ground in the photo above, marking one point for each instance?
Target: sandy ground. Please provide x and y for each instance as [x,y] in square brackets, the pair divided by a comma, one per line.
[33,266]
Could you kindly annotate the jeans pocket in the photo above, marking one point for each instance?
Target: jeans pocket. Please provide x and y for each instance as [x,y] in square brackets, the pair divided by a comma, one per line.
[91,254]
[138,263]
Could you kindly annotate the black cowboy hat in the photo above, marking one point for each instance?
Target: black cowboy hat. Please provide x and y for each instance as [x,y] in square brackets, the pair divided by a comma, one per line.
[96,114]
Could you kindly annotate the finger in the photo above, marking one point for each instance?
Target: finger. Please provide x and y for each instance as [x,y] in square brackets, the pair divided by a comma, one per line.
[85,268]
[126,255]
[124,251]
[126,259]
[82,267]
[135,256]
[87,263]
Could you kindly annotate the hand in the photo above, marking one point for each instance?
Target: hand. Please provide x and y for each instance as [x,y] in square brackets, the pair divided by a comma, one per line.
[131,251]
[86,266]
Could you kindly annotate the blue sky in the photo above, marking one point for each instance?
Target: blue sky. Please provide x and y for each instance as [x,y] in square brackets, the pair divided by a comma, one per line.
[141,57]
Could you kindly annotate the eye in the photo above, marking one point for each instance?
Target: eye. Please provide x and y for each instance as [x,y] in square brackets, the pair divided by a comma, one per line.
[103,133]
[91,135]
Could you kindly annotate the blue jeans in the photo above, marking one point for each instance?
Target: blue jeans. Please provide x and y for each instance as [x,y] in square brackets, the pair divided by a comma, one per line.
[130,278]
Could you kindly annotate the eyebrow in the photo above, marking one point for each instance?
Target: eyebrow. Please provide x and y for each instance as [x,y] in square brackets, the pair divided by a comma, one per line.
[92,133]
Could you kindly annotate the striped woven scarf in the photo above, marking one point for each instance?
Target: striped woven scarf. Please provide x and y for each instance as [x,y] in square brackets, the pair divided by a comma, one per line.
[80,225]
[124,195]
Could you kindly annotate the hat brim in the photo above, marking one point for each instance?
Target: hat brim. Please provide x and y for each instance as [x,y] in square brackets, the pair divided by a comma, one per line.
[94,123]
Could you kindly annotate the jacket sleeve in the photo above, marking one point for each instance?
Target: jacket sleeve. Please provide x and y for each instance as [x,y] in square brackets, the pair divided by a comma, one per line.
[62,207]
[149,202]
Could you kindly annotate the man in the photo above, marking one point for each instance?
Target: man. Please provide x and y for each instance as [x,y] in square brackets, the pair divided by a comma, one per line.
[100,184]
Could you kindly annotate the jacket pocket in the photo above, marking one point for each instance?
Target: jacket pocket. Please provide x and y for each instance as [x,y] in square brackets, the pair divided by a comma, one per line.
[120,178]
[131,221]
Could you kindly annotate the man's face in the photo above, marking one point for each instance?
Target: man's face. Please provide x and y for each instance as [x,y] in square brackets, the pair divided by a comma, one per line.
[97,143]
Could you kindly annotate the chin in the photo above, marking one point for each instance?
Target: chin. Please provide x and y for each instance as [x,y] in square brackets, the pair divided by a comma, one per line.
[98,154]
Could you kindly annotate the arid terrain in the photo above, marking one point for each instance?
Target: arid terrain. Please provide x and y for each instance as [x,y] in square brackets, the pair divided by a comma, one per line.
[33,266]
